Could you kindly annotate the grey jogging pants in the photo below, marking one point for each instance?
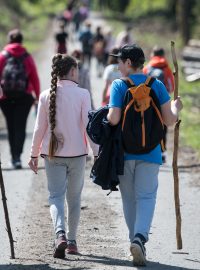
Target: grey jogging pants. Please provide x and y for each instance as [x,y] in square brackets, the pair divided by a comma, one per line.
[65,178]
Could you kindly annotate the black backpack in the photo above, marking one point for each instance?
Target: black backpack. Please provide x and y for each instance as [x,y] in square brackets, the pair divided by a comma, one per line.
[142,124]
[14,79]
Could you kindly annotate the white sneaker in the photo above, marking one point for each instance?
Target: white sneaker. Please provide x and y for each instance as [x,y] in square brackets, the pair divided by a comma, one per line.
[138,252]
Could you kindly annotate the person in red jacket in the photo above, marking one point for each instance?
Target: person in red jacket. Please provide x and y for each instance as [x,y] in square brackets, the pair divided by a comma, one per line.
[158,67]
[16,108]
[157,62]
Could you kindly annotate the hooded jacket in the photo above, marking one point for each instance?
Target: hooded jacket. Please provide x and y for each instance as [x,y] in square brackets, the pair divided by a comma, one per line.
[16,49]
[161,63]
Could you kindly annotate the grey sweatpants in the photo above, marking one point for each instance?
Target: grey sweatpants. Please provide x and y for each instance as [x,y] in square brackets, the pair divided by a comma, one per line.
[65,178]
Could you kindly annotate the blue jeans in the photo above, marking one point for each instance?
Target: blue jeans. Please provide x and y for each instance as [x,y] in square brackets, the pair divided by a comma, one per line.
[65,178]
[138,188]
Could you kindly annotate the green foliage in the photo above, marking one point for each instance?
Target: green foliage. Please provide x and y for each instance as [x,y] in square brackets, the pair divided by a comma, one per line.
[12,5]
[31,16]
[196,19]
[119,6]
[138,8]
[190,125]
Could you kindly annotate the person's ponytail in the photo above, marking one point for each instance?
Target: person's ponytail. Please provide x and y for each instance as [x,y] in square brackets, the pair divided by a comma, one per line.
[53,144]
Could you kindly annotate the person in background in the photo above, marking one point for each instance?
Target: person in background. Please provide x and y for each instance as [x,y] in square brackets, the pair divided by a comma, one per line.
[124,37]
[16,107]
[61,37]
[139,184]
[83,78]
[159,68]
[84,11]
[158,61]
[111,73]
[77,20]
[67,14]
[60,138]
[99,44]
[109,44]
[86,39]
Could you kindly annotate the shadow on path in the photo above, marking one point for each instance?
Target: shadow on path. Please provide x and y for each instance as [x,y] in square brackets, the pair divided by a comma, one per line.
[23,169]
[36,267]
[90,259]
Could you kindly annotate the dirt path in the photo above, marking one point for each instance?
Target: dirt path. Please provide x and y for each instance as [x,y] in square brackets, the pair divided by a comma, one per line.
[102,238]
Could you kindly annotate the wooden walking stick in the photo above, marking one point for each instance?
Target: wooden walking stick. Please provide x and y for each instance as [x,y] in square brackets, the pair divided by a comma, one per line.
[4,199]
[175,155]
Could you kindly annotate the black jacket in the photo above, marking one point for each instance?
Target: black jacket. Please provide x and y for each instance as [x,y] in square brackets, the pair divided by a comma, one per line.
[110,161]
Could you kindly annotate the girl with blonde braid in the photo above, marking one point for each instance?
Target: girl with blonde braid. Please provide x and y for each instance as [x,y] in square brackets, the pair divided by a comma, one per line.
[60,138]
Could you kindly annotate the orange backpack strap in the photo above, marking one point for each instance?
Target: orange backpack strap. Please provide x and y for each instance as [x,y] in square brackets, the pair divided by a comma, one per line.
[128,81]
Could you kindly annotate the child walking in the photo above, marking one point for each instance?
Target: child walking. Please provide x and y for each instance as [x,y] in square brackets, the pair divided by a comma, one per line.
[139,184]
[60,138]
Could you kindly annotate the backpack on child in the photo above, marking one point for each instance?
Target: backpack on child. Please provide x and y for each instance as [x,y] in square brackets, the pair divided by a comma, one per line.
[14,79]
[162,73]
[157,73]
[142,124]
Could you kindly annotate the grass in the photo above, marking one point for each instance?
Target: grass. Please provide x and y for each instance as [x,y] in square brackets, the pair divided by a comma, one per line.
[190,126]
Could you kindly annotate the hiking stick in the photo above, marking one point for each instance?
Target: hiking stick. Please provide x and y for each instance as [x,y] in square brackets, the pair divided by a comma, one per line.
[175,155]
[4,199]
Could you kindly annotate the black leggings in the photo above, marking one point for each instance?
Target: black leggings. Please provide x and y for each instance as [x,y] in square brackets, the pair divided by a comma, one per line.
[16,112]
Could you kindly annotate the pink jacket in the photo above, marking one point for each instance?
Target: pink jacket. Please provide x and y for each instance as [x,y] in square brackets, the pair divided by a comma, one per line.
[72,106]
[17,49]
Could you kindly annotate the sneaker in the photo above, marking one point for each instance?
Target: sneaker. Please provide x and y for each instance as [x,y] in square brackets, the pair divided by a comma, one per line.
[60,246]
[16,163]
[72,247]
[138,252]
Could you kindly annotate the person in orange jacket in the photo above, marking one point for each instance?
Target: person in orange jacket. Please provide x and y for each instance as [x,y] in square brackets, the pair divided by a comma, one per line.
[158,62]
[158,67]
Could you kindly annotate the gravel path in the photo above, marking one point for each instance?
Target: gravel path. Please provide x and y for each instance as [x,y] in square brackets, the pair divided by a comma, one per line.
[102,238]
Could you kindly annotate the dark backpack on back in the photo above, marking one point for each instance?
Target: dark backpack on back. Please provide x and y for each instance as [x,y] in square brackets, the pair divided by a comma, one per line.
[142,124]
[14,79]
[157,73]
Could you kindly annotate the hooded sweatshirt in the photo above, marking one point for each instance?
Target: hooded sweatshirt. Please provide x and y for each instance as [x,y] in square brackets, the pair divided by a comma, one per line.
[16,49]
[161,63]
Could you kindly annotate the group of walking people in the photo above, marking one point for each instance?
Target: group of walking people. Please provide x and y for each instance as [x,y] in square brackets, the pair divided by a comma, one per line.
[60,138]
[70,20]
[98,44]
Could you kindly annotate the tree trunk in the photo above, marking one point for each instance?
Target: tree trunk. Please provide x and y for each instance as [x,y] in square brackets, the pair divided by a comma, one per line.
[184,22]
